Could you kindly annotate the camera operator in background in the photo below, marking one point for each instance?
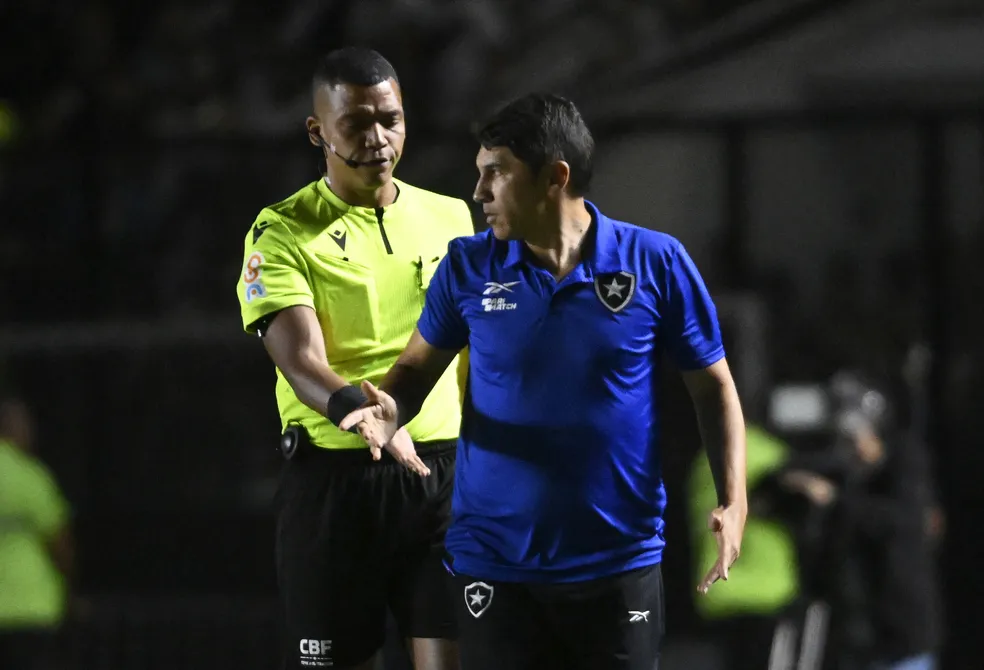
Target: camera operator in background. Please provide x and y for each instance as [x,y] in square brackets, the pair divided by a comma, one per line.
[876,566]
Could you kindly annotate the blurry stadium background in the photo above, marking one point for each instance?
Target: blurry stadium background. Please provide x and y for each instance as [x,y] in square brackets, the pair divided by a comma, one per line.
[822,160]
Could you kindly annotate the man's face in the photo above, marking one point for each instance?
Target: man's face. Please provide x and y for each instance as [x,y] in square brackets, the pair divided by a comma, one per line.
[363,123]
[509,192]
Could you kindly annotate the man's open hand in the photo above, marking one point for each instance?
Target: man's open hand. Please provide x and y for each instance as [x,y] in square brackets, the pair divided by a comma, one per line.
[728,525]
[376,423]
[401,448]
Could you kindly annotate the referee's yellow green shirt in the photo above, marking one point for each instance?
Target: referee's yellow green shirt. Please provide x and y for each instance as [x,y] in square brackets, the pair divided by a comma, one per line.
[32,513]
[365,272]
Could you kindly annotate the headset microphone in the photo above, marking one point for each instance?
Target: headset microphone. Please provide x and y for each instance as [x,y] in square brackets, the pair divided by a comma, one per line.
[351,162]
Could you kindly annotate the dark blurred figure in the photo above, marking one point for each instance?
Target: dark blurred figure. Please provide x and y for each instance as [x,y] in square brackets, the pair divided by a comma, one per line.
[876,566]
[35,546]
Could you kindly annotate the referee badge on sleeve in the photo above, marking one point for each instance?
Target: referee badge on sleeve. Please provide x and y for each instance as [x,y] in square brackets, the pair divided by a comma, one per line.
[615,289]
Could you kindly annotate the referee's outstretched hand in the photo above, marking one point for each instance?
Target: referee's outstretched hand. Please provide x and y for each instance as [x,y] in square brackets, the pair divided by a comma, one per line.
[376,422]
[728,525]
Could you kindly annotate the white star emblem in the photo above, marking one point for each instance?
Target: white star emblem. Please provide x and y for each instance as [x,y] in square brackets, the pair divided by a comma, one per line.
[614,288]
[478,598]
[617,293]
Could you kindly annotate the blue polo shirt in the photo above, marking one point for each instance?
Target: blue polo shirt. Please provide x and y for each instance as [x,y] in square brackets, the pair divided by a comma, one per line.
[558,475]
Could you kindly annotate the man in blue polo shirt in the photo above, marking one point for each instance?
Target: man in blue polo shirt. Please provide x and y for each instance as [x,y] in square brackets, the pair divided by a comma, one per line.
[557,530]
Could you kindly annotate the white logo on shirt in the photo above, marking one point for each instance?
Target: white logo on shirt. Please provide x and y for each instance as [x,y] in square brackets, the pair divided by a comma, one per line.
[636,616]
[316,653]
[492,287]
[615,289]
[478,597]
[497,305]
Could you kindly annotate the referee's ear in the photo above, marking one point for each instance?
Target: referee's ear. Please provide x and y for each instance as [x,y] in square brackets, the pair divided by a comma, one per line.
[314,131]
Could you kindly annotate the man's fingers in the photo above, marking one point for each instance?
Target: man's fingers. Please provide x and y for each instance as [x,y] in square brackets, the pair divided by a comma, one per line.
[352,418]
[719,572]
[417,465]
[372,393]
[367,434]
[712,576]
[376,445]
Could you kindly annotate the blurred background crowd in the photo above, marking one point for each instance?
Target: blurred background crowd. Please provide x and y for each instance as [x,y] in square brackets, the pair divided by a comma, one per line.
[822,160]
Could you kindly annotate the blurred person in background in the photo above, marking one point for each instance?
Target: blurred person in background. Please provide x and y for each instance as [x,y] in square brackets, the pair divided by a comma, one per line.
[744,613]
[557,535]
[877,565]
[35,546]
[333,281]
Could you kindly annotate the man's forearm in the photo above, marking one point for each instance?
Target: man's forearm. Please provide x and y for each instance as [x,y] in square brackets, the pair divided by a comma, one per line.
[295,343]
[314,383]
[409,388]
[414,375]
[722,430]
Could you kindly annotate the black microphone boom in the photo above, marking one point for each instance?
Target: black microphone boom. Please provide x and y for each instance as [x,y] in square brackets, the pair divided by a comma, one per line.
[351,162]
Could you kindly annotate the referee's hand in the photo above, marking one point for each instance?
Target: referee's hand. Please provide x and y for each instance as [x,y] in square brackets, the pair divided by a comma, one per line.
[728,525]
[376,422]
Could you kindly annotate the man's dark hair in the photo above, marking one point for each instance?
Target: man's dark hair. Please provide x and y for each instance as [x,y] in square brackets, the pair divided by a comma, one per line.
[541,128]
[353,65]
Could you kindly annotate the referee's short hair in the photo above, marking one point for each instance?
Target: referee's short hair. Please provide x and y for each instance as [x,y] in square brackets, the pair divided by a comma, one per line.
[357,66]
[540,128]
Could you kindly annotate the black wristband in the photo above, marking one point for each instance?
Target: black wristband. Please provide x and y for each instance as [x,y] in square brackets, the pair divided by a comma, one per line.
[343,402]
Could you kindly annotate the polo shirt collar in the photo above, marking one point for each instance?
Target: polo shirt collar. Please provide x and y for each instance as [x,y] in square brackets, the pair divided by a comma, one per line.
[604,256]
[603,253]
[516,253]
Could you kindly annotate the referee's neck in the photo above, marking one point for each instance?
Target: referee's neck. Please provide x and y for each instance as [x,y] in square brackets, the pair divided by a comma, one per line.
[383,195]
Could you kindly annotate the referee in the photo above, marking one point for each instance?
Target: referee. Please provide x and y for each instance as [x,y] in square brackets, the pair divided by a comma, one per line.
[557,531]
[333,280]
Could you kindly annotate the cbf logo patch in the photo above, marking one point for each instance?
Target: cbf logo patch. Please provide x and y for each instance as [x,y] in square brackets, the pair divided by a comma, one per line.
[316,654]
[615,289]
[478,597]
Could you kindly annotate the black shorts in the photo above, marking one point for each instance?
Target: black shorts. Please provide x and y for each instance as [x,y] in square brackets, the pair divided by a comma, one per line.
[613,623]
[29,649]
[355,537]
